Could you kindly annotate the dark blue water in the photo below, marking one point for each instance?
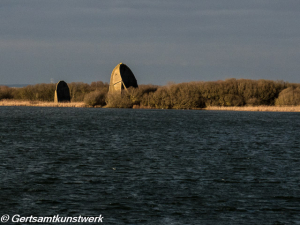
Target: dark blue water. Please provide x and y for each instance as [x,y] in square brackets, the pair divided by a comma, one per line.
[151,166]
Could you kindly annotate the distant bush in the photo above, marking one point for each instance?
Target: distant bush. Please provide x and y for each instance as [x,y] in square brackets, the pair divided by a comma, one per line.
[241,92]
[99,85]
[130,97]
[145,96]
[185,96]
[38,92]
[45,92]
[231,92]
[289,96]
[232,100]
[177,96]
[252,102]
[95,98]
[5,92]
[193,95]
[117,100]
[78,90]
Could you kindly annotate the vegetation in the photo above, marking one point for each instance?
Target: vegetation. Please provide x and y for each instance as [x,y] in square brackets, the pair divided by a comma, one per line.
[133,96]
[11,102]
[45,92]
[192,95]
[289,96]
[95,98]
[5,92]
[38,92]
[195,95]
[78,90]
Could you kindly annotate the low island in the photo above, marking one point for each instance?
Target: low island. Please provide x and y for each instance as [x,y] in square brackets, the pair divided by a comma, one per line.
[231,94]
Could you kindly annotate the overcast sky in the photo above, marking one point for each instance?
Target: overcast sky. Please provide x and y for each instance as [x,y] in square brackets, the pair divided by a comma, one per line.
[160,40]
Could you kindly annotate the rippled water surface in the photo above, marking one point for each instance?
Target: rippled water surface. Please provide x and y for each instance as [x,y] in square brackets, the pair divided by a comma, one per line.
[151,166]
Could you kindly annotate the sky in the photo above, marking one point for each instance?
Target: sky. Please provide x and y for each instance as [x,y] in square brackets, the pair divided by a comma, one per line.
[44,41]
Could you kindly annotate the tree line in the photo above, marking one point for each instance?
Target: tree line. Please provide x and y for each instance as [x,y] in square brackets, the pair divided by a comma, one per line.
[191,95]
[45,92]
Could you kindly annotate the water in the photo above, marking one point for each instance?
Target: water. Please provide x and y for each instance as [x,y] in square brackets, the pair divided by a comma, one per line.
[151,166]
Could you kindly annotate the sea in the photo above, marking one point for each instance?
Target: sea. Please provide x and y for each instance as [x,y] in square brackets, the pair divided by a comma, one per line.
[144,166]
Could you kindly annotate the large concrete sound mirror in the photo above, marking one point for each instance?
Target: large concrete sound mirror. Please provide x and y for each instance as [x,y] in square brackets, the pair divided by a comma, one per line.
[121,78]
[62,92]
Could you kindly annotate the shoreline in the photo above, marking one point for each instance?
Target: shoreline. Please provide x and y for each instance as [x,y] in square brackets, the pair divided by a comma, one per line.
[7,102]
[262,108]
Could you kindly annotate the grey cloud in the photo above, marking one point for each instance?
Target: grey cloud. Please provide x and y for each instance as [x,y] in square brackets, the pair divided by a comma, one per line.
[162,40]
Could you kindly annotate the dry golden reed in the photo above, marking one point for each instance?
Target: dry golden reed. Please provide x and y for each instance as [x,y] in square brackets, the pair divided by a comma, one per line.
[6,102]
[262,108]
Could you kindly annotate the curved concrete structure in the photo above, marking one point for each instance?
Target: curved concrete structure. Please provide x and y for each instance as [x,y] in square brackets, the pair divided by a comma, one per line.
[62,92]
[121,78]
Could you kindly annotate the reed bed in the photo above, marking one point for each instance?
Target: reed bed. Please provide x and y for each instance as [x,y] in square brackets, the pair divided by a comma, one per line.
[6,102]
[262,108]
